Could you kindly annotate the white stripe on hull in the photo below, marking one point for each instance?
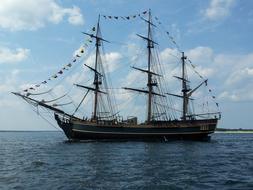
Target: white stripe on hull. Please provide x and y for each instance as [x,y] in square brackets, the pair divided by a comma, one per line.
[131,133]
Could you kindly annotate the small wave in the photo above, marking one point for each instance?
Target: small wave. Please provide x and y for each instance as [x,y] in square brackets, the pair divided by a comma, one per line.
[38,163]
[79,141]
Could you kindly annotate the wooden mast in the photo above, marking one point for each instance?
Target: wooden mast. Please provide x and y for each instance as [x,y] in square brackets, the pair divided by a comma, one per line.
[187,92]
[184,88]
[96,78]
[97,75]
[150,83]
[150,87]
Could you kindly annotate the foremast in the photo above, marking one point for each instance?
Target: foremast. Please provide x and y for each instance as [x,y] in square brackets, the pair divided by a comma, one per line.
[96,82]
[97,75]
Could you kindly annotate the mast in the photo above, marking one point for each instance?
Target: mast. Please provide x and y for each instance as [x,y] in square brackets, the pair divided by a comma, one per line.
[150,87]
[150,93]
[184,88]
[97,75]
[96,78]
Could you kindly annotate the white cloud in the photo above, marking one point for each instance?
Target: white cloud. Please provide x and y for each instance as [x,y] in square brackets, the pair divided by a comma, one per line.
[240,76]
[218,9]
[169,56]
[200,54]
[110,61]
[76,78]
[13,56]
[201,57]
[9,83]
[30,15]
[238,80]
[238,95]
[75,16]
[131,78]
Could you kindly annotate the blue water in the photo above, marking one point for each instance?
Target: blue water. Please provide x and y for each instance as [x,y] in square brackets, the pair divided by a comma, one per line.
[44,160]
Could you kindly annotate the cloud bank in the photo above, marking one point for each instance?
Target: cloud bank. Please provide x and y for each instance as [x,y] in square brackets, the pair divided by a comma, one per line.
[13,56]
[218,9]
[16,15]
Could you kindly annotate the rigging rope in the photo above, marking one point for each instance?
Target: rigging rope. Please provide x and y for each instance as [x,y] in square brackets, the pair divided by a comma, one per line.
[63,104]
[41,93]
[54,99]
[81,102]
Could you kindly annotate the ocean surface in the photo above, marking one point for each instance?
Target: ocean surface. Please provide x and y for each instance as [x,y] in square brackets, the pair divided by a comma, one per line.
[45,160]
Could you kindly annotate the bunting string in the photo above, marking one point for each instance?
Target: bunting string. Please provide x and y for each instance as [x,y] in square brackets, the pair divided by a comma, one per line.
[194,68]
[170,37]
[78,54]
[209,90]
[139,15]
[130,17]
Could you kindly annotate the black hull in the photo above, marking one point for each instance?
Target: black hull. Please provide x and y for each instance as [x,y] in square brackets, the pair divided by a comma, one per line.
[163,131]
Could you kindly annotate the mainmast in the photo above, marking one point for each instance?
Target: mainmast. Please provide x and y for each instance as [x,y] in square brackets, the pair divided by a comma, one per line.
[150,85]
[150,82]
[184,87]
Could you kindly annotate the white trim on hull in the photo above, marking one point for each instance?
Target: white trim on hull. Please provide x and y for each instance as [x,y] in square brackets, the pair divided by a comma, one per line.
[127,133]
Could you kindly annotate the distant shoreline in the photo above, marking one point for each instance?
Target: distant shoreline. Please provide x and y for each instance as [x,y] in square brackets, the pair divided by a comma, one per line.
[226,130]
[232,131]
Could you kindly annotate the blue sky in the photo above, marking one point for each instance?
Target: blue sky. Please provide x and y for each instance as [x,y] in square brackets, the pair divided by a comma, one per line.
[38,37]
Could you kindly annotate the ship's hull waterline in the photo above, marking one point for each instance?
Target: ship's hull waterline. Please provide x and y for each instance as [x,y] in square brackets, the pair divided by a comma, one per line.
[171,130]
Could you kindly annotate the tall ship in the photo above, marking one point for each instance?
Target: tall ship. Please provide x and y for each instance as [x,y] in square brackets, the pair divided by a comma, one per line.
[157,119]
